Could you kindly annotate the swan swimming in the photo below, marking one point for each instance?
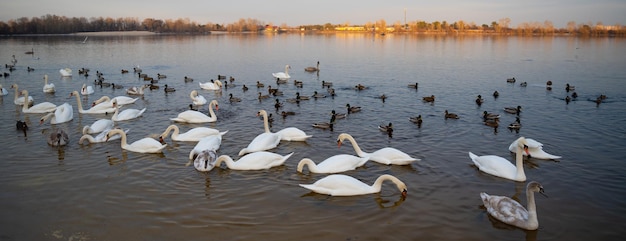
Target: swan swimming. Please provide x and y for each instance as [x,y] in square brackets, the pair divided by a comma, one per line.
[102,137]
[387,155]
[193,116]
[343,185]
[254,161]
[283,75]
[145,145]
[43,107]
[98,109]
[535,150]
[286,134]
[62,114]
[512,212]
[333,164]
[264,141]
[194,134]
[206,143]
[20,100]
[501,167]
[48,87]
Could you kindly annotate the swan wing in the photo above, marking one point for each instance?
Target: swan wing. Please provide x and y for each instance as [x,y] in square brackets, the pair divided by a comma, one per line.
[192,116]
[494,165]
[262,142]
[44,107]
[293,134]
[341,163]
[391,156]
[146,145]
[504,209]
[339,185]
[196,134]
[260,160]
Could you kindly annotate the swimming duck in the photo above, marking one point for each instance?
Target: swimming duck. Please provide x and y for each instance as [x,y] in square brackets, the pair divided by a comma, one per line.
[449,115]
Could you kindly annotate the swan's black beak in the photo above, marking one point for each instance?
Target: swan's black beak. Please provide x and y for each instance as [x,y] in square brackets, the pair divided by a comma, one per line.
[542,193]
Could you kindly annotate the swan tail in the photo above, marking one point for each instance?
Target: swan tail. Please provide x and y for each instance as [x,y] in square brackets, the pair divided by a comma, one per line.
[223,133]
[474,158]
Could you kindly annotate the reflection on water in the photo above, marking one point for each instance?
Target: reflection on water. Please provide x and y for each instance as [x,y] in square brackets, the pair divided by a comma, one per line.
[99,191]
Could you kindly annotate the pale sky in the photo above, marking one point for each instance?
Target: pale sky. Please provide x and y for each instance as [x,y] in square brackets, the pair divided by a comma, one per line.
[354,12]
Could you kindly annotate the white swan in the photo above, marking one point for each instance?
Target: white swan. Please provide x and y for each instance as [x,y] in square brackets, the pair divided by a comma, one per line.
[47,87]
[121,100]
[86,90]
[287,134]
[512,212]
[283,75]
[213,85]
[342,185]
[535,149]
[43,107]
[264,141]
[62,114]
[136,90]
[501,167]
[206,143]
[387,155]
[333,164]
[205,161]
[254,161]
[193,116]
[194,134]
[196,98]
[20,100]
[126,114]
[99,126]
[98,109]
[145,145]
[3,91]
[66,72]
[102,137]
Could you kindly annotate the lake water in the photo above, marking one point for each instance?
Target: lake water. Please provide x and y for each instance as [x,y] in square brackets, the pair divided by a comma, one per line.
[101,192]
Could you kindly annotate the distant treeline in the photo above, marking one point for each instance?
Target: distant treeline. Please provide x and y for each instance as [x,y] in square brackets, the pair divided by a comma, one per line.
[53,24]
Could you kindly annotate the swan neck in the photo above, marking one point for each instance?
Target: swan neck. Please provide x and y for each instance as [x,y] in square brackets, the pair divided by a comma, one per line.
[532,208]
[88,138]
[169,129]
[265,122]
[519,163]
[25,106]
[78,102]
[307,162]
[211,105]
[355,145]
[224,158]
[377,186]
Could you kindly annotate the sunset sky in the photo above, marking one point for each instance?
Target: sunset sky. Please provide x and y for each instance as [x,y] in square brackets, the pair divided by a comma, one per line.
[294,13]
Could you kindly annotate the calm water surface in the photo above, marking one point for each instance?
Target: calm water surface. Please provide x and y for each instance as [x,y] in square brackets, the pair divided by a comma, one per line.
[100,192]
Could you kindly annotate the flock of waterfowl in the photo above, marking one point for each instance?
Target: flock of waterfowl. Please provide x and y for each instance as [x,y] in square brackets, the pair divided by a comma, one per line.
[257,156]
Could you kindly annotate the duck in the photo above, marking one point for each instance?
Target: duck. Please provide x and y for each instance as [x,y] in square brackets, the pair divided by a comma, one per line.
[169,89]
[515,125]
[3,91]
[281,81]
[137,69]
[98,126]
[386,155]
[124,71]
[360,87]
[193,116]
[188,79]
[43,107]
[261,160]
[417,120]
[284,114]
[313,69]
[244,88]
[102,108]
[344,185]
[511,80]
[283,75]
[194,134]
[326,125]
[299,97]
[318,95]
[196,98]
[58,138]
[490,116]
[127,114]
[262,97]
[386,128]
[352,109]
[496,94]
[136,90]
[212,85]
[429,98]
[102,137]
[63,113]
[121,100]
[144,145]
[20,100]
[21,125]
[513,110]
[264,141]
[500,167]
[204,161]
[259,84]
[449,115]
[492,122]
[512,212]
[212,142]
[523,84]
[569,88]
[326,84]
[117,86]
[338,115]
[231,98]
[535,150]
[48,87]
[334,164]
[86,90]
[479,100]
[414,86]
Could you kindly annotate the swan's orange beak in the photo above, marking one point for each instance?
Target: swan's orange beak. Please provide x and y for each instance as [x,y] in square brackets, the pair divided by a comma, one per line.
[217,107]
[526,150]
[404,193]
